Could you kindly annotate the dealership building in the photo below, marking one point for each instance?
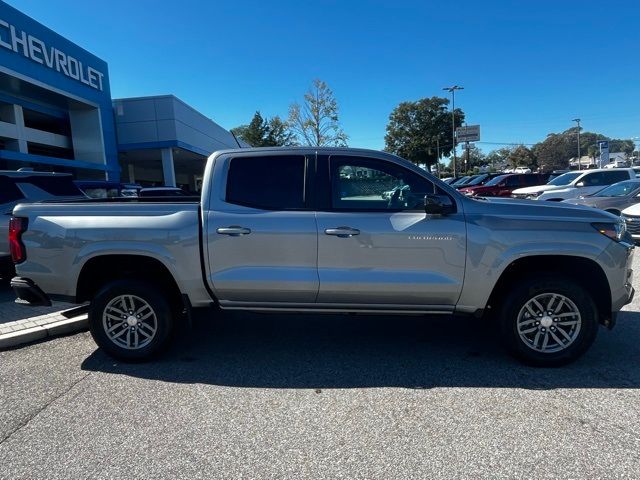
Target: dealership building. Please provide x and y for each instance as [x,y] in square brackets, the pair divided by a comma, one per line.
[57,114]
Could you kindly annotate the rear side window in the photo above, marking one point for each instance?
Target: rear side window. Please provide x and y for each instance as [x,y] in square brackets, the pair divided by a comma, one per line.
[605,178]
[615,176]
[268,183]
[8,191]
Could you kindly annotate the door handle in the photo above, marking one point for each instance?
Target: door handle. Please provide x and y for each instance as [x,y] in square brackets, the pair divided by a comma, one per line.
[342,232]
[233,230]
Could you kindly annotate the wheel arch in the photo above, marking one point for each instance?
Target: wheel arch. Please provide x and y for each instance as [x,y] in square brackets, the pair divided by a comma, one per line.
[584,271]
[102,269]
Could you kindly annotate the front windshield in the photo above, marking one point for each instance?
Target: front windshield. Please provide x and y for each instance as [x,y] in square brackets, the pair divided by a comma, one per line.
[478,180]
[565,178]
[495,181]
[618,189]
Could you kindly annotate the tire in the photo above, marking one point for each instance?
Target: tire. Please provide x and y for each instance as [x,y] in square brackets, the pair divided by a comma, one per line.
[116,330]
[551,340]
[613,211]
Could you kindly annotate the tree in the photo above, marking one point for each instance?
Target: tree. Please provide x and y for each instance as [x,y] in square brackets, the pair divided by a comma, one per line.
[558,148]
[471,162]
[316,122]
[498,158]
[254,133]
[473,157]
[522,156]
[279,134]
[415,128]
[262,132]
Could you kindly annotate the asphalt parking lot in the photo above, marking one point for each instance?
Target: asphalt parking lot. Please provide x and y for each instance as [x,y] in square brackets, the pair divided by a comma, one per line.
[298,396]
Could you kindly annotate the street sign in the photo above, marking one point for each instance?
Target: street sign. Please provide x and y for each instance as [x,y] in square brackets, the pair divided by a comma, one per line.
[470,133]
[604,153]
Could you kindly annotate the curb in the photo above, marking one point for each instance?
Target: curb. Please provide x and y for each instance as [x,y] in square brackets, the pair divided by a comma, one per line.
[47,330]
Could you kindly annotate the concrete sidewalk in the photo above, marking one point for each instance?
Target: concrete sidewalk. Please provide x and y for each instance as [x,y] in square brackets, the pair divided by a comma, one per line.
[15,331]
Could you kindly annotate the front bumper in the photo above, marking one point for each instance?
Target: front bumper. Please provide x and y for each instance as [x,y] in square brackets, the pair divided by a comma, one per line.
[28,293]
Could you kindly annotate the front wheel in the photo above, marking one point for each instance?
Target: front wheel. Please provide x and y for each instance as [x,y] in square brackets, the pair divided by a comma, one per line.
[130,320]
[548,321]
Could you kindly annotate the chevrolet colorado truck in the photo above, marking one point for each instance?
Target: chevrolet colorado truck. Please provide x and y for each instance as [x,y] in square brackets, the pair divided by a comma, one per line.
[311,230]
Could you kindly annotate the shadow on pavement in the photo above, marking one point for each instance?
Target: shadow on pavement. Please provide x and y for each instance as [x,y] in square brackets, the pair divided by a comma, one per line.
[343,351]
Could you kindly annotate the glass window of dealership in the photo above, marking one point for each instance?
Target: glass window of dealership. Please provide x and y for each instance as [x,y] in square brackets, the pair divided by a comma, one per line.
[56,114]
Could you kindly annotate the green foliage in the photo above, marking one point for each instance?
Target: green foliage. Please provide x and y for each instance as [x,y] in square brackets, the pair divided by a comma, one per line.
[473,157]
[316,121]
[279,134]
[415,127]
[558,148]
[521,156]
[498,158]
[262,132]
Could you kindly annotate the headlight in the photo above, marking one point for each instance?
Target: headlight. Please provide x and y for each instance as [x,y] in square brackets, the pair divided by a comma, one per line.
[470,193]
[533,196]
[615,231]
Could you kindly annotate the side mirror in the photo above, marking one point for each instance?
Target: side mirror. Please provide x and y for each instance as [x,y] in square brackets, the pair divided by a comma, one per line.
[580,184]
[438,204]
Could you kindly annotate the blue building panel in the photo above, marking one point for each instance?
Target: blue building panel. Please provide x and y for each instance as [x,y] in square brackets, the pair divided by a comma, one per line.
[39,55]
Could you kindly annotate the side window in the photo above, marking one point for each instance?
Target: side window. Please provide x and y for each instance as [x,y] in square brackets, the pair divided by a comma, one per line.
[8,191]
[268,183]
[594,179]
[368,184]
[531,180]
[615,176]
[513,181]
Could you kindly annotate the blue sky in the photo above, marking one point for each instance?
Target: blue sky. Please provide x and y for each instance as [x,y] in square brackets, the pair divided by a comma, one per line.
[528,68]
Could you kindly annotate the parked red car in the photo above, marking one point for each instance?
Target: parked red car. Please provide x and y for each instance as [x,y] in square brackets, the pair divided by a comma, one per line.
[503,185]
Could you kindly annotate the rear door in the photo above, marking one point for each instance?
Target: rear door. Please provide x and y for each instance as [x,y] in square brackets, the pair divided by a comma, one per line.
[261,234]
[376,245]
[512,182]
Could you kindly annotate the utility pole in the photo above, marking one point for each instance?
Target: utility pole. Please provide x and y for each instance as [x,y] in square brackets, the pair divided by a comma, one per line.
[452,90]
[577,120]
[467,161]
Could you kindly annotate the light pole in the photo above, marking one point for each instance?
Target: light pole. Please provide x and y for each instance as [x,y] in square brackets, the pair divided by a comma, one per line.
[453,89]
[577,120]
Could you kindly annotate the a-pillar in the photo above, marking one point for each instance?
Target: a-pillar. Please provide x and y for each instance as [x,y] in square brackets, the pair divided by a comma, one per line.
[168,170]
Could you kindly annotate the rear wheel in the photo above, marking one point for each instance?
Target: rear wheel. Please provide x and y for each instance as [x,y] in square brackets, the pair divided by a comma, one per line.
[130,320]
[548,321]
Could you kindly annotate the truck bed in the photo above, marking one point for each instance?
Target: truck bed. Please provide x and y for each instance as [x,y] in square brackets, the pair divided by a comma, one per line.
[64,236]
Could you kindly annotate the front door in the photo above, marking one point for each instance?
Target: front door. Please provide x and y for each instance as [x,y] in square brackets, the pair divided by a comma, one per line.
[376,245]
[261,237]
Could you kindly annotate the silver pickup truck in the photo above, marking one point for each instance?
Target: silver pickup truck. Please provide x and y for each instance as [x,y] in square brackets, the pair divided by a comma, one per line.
[326,230]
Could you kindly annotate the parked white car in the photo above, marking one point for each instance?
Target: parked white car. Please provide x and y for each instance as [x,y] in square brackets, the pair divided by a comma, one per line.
[522,170]
[631,217]
[589,182]
[558,183]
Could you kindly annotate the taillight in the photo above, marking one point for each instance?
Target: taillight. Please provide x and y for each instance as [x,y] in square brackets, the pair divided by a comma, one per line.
[17,226]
